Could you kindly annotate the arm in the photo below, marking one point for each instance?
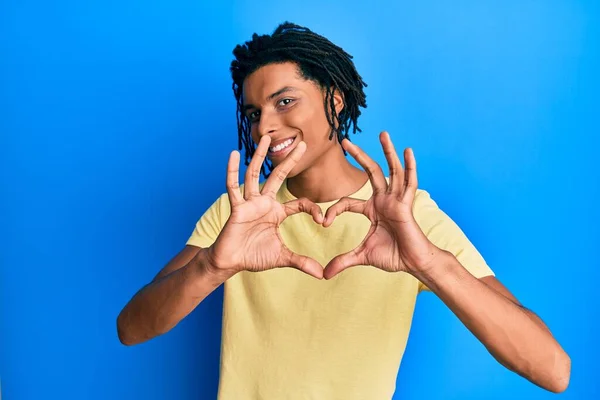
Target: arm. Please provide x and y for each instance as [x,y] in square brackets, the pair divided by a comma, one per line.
[515,336]
[175,291]
[397,242]
[248,240]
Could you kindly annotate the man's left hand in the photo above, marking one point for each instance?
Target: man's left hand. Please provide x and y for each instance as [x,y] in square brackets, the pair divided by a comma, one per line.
[395,242]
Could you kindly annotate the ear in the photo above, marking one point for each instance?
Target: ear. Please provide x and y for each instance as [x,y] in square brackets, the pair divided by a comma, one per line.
[338,101]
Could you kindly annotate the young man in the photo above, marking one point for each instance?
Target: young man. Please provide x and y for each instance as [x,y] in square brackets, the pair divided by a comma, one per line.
[376,241]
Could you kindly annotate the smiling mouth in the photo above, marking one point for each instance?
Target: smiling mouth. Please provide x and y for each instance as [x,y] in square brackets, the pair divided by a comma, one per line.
[282,148]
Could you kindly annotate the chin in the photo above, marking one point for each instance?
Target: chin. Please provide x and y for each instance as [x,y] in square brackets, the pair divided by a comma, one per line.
[297,170]
[294,172]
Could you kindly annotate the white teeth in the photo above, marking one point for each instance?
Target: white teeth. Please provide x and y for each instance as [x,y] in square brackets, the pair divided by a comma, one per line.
[281,146]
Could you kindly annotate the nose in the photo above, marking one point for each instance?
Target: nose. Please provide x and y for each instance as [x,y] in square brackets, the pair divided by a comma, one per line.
[268,124]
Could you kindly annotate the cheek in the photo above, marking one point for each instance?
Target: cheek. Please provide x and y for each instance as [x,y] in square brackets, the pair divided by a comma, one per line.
[313,124]
[254,133]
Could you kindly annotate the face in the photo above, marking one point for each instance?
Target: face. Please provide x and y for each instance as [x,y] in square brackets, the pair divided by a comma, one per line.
[280,103]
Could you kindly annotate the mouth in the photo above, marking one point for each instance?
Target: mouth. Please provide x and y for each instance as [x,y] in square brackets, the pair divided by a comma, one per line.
[283,148]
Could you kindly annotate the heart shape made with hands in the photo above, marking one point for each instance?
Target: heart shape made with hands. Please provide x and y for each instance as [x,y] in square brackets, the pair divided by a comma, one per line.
[394,242]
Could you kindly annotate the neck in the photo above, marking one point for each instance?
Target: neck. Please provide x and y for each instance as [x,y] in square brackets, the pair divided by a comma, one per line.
[329,179]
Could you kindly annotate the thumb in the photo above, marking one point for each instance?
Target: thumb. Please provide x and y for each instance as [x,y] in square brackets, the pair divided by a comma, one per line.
[304,205]
[303,263]
[342,262]
[345,204]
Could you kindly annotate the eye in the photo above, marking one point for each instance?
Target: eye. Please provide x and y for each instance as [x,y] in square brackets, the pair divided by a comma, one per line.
[253,115]
[285,102]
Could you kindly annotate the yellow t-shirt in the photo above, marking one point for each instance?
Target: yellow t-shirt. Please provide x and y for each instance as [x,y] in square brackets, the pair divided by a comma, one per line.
[287,335]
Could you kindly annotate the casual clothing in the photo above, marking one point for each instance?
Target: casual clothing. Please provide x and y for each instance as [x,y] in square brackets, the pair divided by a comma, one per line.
[287,335]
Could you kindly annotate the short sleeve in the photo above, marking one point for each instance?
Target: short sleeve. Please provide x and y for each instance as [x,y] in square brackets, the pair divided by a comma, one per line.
[443,232]
[211,223]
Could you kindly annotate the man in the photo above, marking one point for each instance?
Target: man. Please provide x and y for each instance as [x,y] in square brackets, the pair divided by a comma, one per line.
[376,241]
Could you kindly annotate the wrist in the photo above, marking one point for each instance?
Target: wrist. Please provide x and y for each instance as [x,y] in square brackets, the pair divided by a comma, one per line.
[206,264]
[438,259]
[437,269]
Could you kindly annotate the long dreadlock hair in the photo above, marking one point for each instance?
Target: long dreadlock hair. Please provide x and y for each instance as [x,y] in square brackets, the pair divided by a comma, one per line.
[318,60]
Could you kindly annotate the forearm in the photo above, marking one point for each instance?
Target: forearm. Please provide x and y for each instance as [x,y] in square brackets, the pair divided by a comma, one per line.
[514,336]
[163,303]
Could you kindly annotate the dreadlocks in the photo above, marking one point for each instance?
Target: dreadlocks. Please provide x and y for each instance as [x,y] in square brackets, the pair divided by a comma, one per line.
[318,60]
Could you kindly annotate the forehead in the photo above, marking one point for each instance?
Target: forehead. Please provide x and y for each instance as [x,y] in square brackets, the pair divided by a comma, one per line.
[270,78]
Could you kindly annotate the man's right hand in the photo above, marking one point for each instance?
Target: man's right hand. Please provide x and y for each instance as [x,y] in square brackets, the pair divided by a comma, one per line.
[250,239]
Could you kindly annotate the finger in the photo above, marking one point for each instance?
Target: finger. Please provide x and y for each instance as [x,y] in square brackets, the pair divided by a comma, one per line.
[395,167]
[410,177]
[343,262]
[302,263]
[280,173]
[371,167]
[251,184]
[304,205]
[345,204]
[232,182]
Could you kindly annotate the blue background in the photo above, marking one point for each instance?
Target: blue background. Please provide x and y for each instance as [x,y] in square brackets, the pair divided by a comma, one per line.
[116,120]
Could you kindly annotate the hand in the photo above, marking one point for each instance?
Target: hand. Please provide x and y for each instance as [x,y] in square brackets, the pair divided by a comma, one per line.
[250,239]
[395,241]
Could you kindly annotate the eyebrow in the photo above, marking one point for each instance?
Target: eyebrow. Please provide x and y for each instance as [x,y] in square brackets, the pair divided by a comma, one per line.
[283,90]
